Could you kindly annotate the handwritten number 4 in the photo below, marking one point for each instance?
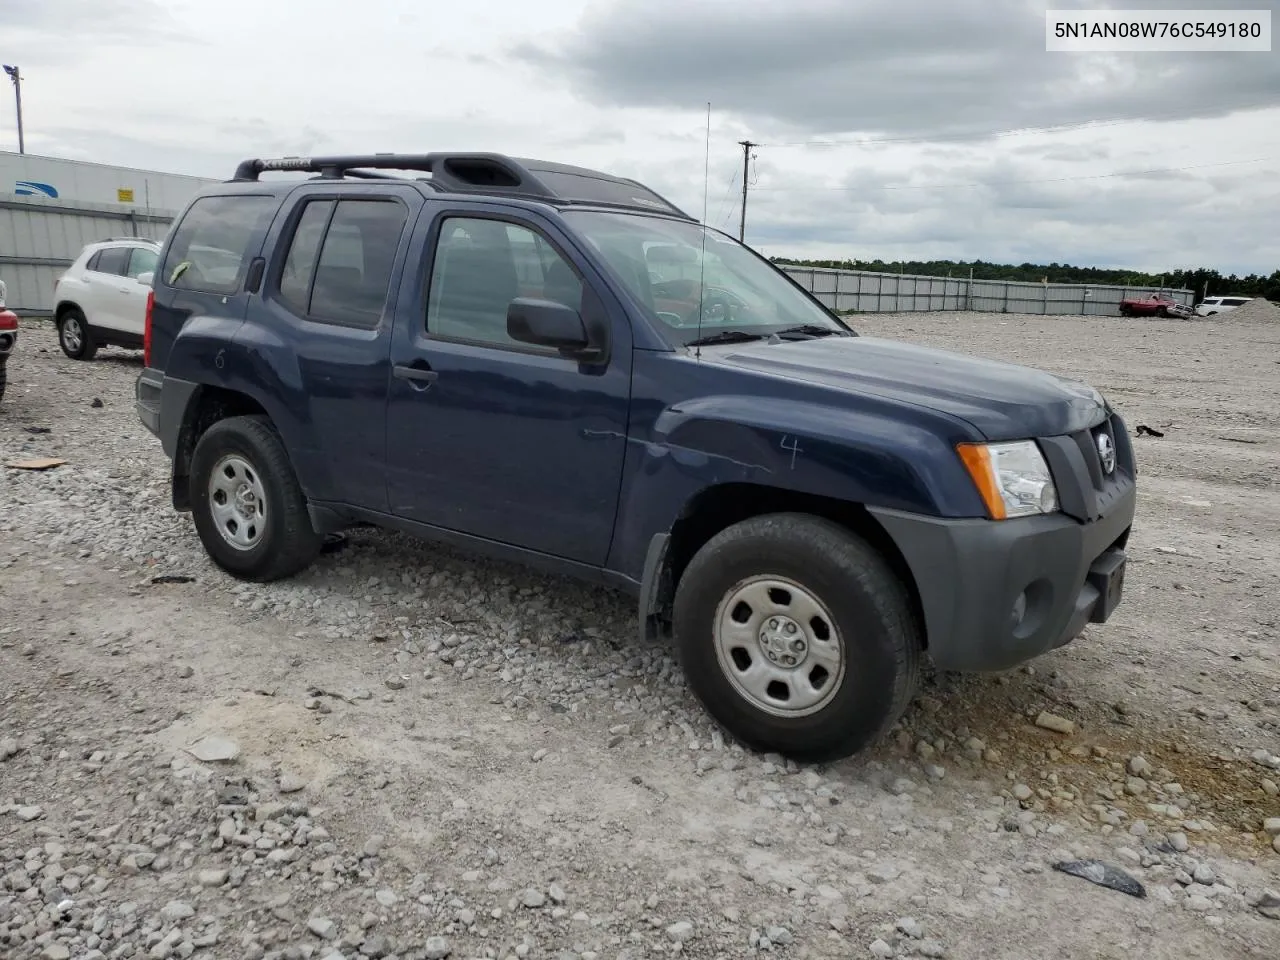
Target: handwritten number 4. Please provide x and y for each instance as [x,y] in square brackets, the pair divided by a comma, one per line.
[794,448]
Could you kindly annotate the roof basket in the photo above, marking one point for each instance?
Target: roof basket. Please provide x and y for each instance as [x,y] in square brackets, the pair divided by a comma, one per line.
[487,173]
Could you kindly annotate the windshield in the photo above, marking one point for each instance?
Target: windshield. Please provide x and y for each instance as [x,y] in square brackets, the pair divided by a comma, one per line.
[661,261]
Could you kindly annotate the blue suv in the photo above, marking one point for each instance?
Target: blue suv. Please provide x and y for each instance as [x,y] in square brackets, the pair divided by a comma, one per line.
[558,367]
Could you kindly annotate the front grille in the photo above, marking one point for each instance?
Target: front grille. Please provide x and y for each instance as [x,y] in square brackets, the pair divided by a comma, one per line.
[1085,488]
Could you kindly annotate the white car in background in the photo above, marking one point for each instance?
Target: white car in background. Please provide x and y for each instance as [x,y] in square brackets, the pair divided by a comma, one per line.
[102,298]
[1211,305]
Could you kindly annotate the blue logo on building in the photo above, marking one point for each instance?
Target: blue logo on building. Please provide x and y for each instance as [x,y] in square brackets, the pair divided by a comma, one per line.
[31,188]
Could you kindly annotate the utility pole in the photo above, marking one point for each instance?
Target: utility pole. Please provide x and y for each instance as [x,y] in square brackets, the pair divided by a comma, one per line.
[16,77]
[746,161]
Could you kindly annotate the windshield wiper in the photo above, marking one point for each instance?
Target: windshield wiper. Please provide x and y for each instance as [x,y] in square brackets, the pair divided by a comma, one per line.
[811,329]
[725,336]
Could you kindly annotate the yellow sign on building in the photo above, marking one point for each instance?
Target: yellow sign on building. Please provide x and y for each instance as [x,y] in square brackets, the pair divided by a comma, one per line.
[125,194]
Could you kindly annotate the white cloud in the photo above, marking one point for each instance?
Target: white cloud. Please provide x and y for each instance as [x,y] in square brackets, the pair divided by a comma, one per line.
[622,85]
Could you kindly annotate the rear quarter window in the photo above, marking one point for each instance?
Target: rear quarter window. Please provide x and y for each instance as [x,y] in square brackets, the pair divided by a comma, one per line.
[212,246]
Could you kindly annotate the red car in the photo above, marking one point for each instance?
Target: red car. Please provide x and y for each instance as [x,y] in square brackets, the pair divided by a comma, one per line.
[8,338]
[1156,305]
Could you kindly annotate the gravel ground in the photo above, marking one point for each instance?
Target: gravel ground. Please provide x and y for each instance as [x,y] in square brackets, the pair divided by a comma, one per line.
[409,753]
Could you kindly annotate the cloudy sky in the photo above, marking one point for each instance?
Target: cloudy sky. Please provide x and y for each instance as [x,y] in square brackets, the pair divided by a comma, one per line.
[982,144]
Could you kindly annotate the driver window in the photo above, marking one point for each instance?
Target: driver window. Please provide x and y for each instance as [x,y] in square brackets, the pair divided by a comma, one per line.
[480,266]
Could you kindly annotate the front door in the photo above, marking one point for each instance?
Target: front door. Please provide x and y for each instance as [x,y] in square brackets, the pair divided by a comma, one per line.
[492,437]
[133,294]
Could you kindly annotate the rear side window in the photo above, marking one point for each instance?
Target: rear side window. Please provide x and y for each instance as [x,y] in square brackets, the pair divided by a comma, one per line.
[300,264]
[210,247]
[1234,301]
[338,268]
[111,260]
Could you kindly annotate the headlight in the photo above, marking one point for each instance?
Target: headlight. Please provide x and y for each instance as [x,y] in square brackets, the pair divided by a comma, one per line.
[1013,478]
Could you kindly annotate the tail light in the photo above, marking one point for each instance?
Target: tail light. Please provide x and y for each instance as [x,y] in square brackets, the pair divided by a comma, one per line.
[146,330]
[8,320]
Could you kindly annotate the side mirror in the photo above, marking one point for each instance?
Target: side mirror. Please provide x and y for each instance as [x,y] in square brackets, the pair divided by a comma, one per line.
[145,277]
[547,324]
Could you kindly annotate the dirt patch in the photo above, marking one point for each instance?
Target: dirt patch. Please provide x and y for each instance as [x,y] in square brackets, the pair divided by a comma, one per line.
[501,739]
[1257,310]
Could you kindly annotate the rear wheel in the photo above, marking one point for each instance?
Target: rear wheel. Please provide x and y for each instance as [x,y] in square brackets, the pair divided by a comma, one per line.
[797,636]
[74,335]
[248,507]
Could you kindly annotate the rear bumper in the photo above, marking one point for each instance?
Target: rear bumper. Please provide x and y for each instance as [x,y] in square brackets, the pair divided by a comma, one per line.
[161,403]
[998,593]
[147,392]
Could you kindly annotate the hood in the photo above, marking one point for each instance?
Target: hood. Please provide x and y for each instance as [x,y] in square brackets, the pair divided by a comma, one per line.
[1003,401]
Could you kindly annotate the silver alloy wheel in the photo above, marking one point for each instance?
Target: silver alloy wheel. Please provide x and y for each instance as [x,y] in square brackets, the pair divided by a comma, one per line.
[238,502]
[72,336]
[779,646]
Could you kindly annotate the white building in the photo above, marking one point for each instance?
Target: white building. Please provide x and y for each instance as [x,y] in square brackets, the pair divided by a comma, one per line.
[50,208]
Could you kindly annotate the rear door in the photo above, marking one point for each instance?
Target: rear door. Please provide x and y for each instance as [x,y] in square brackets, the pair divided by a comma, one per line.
[106,288]
[336,258]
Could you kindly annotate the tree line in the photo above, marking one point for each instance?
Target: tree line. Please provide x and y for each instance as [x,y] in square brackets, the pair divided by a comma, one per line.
[1202,281]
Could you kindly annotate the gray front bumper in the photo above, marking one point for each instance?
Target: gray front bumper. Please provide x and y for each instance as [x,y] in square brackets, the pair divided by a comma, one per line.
[971,573]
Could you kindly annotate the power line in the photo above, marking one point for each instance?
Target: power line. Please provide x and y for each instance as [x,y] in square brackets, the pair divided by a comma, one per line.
[723,209]
[1000,134]
[981,183]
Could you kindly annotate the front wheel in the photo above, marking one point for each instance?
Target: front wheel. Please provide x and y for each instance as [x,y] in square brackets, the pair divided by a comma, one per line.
[248,507]
[797,636]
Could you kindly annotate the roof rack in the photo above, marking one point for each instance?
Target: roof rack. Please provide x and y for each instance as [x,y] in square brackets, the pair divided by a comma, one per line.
[118,239]
[487,173]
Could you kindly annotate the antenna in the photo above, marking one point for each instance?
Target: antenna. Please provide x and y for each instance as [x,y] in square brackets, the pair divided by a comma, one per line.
[702,259]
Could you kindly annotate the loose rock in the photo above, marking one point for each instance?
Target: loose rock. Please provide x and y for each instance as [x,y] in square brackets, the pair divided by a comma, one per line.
[1051,721]
[680,932]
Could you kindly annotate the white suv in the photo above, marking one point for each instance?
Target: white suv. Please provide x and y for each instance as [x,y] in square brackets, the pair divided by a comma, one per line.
[1211,305]
[102,298]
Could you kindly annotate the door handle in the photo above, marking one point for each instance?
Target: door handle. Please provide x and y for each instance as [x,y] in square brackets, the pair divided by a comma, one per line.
[415,373]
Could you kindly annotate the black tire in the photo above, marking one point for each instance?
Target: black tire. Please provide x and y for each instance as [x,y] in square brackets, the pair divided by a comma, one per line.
[873,618]
[73,325]
[285,543]
[4,376]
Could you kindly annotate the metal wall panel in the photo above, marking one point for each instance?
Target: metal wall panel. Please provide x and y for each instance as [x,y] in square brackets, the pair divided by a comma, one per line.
[51,207]
[871,292]
[39,239]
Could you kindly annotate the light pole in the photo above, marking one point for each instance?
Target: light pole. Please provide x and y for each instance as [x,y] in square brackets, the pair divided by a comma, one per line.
[16,77]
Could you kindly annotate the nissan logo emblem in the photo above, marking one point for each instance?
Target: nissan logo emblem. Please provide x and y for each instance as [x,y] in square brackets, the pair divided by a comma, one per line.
[1106,453]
